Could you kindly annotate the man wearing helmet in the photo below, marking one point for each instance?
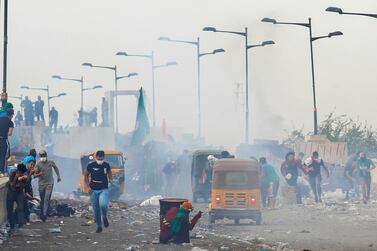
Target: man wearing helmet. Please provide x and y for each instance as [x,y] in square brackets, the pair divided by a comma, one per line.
[364,166]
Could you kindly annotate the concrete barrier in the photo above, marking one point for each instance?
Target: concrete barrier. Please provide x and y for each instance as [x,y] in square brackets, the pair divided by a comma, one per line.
[3,196]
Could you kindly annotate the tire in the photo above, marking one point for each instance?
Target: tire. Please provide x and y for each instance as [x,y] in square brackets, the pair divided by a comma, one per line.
[236,221]
[258,220]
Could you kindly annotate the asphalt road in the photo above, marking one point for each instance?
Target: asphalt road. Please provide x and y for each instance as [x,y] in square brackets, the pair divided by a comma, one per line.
[334,225]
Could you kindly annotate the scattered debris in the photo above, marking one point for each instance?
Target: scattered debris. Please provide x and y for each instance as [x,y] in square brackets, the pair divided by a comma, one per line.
[55,230]
[152,201]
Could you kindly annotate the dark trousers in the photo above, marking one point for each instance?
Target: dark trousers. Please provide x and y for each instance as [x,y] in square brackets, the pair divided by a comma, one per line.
[366,181]
[45,192]
[40,115]
[29,118]
[293,183]
[315,184]
[53,124]
[19,198]
[4,147]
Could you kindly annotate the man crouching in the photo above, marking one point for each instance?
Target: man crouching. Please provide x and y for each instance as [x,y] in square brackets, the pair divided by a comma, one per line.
[176,225]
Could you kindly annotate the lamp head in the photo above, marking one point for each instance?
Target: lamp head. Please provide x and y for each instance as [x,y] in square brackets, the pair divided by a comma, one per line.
[335,33]
[87,64]
[56,77]
[268,42]
[132,74]
[164,38]
[334,9]
[213,29]
[218,51]
[269,20]
[122,53]
[171,63]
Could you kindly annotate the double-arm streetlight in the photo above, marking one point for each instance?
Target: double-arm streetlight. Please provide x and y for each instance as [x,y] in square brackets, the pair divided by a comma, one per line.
[311,40]
[198,56]
[247,47]
[47,90]
[5,51]
[82,89]
[116,78]
[154,67]
[340,12]
[113,68]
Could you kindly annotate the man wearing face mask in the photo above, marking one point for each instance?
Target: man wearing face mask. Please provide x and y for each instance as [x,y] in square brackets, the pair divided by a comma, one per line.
[43,170]
[100,175]
[364,167]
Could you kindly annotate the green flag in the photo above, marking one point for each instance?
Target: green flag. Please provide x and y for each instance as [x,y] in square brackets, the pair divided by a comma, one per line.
[142,124]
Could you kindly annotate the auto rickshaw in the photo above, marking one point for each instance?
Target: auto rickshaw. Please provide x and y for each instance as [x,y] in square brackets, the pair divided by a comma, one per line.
[201,174]
[116,161]
[235,191]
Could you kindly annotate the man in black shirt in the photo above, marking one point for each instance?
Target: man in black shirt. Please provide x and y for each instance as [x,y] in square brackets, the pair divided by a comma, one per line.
[28,111]
[6,129]
[38,107]
[314,172]
[54,115]
[100,175]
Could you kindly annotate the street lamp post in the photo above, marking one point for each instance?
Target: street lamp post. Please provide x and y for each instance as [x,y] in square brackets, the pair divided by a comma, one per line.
[153,68]
[311,40]
[113,68]
[47,90]
[82,89]
[341,12]
[5,51]
[247,47]
[198,56]
[79,80]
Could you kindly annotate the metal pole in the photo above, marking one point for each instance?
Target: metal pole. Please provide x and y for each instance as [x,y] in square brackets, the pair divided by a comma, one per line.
[153,91]
[48,103]
[5,48]
[116,99]
[82,94]
[313,81]
[199,98]
[247,92]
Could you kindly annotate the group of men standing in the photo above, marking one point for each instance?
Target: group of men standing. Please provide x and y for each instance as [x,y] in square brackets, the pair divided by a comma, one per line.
[34,111]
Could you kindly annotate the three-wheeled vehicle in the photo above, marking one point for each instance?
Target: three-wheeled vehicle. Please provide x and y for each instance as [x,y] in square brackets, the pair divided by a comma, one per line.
[201,174]
[235,191]
[116,160]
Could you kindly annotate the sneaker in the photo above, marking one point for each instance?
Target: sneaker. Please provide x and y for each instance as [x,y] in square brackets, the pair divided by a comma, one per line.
[99,230]
[105,222]
[43,218]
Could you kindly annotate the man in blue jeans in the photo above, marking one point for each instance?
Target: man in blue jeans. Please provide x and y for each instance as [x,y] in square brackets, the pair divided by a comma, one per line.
[97,177]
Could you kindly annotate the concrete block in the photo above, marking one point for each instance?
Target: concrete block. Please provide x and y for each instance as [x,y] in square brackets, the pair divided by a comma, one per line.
[3,195]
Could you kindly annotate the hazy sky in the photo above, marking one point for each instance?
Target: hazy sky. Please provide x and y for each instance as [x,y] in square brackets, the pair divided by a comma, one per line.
[48,37]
